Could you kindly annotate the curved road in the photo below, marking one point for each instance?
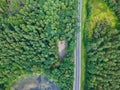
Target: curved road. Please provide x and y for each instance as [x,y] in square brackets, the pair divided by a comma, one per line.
[77,70]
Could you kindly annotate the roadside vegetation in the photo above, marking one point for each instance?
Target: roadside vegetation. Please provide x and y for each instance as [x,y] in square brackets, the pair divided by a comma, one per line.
[28,41]
[83,54]
[102,43]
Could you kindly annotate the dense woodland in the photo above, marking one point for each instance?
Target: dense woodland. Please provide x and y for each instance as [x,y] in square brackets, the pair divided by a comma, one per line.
[29,33]
[103,62]
[103,53]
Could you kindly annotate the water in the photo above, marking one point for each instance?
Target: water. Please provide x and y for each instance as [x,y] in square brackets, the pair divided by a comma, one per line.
[34,82]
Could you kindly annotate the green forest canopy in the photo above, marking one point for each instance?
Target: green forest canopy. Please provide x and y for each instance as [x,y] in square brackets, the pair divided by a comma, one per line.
[103,50]
[28,41]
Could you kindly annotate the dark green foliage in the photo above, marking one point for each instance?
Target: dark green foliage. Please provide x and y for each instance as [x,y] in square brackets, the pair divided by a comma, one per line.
[103,62]
[28,42]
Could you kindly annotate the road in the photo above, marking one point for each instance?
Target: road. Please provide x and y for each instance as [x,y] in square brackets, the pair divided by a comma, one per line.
[77,70]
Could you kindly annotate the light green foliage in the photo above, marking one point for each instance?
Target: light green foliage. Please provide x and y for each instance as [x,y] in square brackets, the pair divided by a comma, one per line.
[28,42]
[97,10]
[115,6]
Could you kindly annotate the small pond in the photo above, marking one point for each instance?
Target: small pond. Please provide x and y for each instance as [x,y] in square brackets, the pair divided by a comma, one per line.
[34,82]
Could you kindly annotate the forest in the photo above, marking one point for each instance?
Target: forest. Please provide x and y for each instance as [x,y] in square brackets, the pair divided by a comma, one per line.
[102,43]
[29,33]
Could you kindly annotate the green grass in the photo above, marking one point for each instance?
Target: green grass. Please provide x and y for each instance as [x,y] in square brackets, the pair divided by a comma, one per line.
[83,54]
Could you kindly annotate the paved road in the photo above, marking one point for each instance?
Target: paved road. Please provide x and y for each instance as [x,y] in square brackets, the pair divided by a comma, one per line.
[77,70]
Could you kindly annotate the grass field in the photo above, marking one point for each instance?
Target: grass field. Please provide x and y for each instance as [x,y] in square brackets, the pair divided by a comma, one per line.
[83,47]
